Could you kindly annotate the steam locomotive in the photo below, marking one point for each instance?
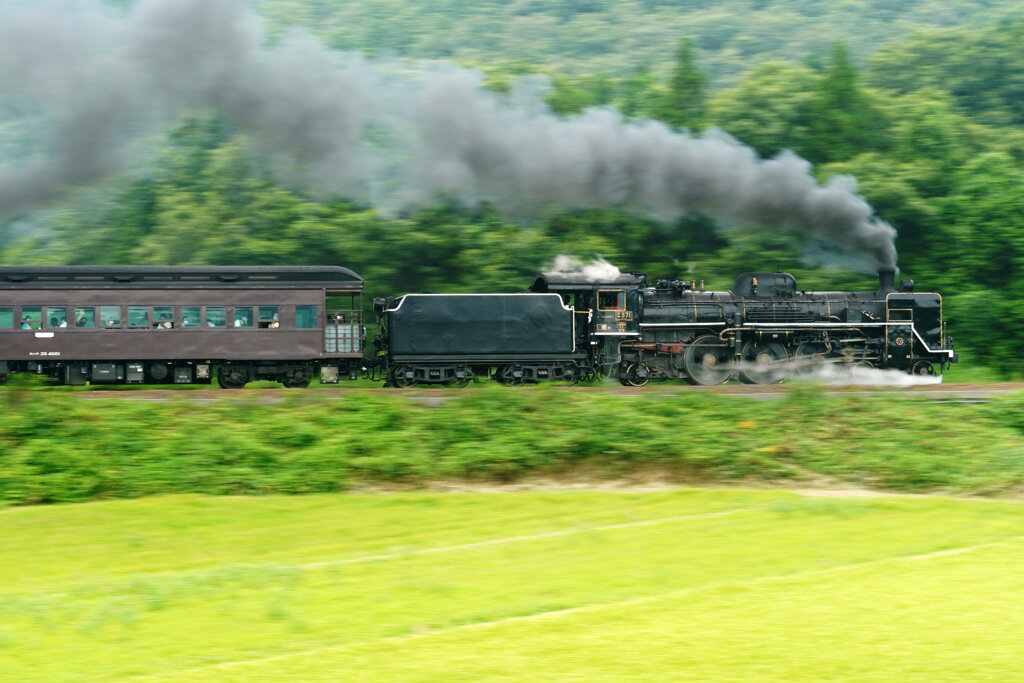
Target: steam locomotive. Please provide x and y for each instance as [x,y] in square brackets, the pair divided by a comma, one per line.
[236,324]
[568,328]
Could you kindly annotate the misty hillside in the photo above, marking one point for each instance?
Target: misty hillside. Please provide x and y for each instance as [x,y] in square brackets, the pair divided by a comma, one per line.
[616,36]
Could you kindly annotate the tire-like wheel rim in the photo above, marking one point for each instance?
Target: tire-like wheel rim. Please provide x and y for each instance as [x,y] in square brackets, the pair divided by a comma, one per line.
[924,369]
[810,357]
[231,379]
[706,361]
[630,377]
[400,380]
[764,363]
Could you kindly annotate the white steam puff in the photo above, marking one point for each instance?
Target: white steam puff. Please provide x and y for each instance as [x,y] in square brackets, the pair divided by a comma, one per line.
[81,84]
[597,270]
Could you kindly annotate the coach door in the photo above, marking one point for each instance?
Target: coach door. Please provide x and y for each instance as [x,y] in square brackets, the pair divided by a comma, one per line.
[343,324]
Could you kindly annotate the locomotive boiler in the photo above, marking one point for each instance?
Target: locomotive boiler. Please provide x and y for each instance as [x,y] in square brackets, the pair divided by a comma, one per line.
[761,330]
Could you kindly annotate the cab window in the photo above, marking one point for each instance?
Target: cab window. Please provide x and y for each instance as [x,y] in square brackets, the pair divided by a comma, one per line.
[85,317]
[611,300]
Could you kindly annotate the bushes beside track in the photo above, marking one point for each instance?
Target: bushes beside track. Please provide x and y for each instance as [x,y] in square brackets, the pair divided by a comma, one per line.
[63,447]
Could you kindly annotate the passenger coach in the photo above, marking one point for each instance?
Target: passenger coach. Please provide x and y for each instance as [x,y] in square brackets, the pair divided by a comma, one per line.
[181,324]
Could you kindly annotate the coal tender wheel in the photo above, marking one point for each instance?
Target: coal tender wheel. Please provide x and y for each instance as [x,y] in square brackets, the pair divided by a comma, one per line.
[707,361]
[400,380]
[458,383]
[808,358]
[504,376]
[764,363]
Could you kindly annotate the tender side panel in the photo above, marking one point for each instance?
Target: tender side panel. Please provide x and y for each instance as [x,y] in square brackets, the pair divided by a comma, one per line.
[480,324]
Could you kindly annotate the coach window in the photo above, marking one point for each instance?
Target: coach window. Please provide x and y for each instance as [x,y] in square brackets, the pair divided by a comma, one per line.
[6,317]
[305,317]
[243,316]
[611,300]
[138,316]
[85,317]
[56,317]
[110,316]
[269,318]
[163,317]
[215,316]
[190,316]
[31,317]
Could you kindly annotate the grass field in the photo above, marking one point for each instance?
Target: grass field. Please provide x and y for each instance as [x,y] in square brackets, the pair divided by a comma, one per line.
[67,448]
[708,585]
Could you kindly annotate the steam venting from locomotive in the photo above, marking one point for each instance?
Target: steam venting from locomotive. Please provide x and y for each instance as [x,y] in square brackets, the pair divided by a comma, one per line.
[82,87]
[597,270]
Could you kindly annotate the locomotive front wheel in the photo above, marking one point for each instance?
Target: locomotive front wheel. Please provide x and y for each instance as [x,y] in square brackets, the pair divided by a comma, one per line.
[706,361]
[764,363]
[923,368]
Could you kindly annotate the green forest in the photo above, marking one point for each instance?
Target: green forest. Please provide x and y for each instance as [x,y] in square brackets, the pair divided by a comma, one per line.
[921,103]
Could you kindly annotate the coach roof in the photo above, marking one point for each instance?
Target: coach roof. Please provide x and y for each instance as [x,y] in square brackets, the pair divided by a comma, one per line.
[330,277]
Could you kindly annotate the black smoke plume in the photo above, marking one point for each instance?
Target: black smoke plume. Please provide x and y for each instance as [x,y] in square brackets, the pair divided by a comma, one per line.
[80,85]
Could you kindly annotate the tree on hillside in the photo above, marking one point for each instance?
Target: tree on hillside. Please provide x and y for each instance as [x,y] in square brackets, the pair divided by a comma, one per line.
[984,72]
[767,109]
[840,118]
[683,103]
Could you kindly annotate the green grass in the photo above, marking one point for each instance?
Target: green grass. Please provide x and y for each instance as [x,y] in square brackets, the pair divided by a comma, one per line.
[699,584]
[58,447]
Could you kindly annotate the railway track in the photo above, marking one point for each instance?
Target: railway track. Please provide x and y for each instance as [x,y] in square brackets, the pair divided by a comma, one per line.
[945,392]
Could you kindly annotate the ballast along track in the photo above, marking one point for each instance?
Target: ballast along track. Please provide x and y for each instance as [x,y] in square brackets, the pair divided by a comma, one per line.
[188,325]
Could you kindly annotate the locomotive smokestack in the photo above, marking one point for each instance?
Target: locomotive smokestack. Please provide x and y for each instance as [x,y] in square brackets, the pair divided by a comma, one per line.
[886,279]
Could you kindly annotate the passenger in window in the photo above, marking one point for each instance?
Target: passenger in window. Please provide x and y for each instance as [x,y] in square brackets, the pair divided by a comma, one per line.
[81,320]
[63,322]
[239,322]
[26,323]
[185,321]
[53,322]
[164,323]
[274,322]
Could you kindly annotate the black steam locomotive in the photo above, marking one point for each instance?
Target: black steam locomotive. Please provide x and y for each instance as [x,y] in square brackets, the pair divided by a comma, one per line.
[189,325]
[571,328]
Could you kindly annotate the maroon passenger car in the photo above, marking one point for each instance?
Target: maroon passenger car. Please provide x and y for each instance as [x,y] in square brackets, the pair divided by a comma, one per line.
[181,324]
